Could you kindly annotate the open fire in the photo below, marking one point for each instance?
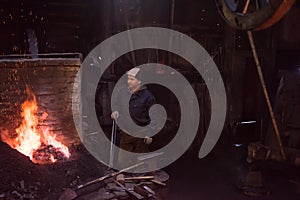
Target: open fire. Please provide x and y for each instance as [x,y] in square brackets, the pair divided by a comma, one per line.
[41,147]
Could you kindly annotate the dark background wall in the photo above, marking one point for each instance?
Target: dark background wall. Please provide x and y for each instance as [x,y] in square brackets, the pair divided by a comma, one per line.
[52,26]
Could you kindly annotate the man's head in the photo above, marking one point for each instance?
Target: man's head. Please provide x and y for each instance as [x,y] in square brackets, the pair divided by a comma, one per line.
[133,81]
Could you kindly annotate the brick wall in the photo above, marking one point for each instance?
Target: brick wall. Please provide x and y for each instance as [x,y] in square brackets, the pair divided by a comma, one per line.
[51,80]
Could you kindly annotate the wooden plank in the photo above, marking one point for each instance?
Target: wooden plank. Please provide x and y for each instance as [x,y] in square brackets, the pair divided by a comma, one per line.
[54,62]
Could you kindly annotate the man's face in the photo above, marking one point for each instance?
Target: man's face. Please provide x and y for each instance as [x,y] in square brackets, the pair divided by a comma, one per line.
[133,83]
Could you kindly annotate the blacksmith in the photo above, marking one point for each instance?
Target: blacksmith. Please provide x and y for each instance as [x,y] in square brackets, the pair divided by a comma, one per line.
[140,102]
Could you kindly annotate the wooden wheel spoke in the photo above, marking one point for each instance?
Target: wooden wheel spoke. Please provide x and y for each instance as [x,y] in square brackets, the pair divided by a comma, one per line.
[242,5]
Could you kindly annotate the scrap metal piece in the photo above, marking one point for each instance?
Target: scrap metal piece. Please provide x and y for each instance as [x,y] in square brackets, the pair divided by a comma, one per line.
[110,175]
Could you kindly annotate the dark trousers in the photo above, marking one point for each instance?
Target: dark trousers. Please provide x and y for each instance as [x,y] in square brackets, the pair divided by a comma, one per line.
[131,144]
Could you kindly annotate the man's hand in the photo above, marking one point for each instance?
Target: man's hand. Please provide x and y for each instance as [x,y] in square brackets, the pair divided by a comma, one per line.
[148,140]
[114,115]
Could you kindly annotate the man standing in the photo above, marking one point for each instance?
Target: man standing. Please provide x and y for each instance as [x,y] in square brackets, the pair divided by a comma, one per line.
[140,102]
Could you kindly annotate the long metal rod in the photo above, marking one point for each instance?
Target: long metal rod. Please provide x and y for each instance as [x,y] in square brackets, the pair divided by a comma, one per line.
[172,10]
[128,33]
[172,13]
[110,175]
[262,81]
[112,145]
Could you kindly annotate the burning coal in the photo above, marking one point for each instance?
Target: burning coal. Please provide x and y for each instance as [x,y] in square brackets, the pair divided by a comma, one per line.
[42,147]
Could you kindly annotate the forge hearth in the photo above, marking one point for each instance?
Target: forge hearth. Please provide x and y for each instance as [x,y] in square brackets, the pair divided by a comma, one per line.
[51,80]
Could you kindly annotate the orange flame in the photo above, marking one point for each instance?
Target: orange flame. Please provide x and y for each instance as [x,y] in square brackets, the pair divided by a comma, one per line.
[27,140]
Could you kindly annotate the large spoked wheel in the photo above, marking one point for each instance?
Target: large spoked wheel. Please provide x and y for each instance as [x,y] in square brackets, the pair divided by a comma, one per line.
[253,14]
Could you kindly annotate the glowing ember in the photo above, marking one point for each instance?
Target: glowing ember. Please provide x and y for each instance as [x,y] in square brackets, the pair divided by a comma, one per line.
[39,147]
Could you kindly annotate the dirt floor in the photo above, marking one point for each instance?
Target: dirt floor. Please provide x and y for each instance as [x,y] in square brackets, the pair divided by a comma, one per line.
[220,175]
[21,179]
[215,177]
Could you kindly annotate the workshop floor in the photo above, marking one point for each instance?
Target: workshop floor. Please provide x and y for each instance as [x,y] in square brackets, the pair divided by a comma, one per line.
[218,175]
[215,177]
